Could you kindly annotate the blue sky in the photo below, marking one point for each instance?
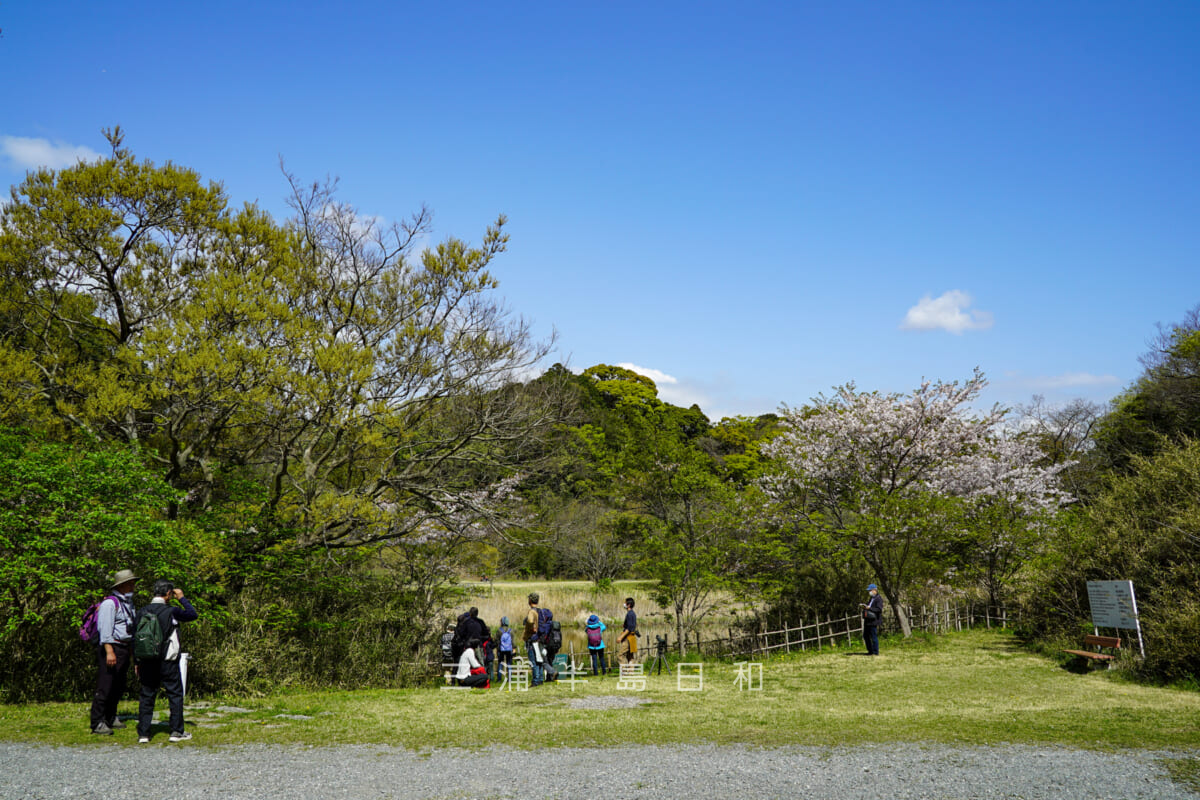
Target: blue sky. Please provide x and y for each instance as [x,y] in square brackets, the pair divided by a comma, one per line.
[752,202]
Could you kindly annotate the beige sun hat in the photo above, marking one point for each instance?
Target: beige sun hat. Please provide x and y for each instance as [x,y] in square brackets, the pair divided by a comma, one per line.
[123,576]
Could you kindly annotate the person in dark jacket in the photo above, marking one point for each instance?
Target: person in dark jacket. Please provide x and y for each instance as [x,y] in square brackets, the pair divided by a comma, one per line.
[872,614]
[628,641]
[164,673]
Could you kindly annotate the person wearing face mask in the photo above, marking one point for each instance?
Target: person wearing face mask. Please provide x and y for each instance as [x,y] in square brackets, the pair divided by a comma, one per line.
[114,624]
[872,613]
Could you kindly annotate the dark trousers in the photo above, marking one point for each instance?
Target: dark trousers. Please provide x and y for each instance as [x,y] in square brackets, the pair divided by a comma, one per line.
[474,680]
[598,660]
[154,675]
[110,684]
[871,639]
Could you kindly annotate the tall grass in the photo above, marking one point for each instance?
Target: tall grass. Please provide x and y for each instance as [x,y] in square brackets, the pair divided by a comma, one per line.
[574,601]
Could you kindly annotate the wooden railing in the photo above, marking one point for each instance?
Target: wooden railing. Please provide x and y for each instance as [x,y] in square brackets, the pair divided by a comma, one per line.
[847,630]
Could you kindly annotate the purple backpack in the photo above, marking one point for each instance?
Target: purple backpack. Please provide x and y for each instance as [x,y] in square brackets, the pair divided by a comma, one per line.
[88,632]
[594,637]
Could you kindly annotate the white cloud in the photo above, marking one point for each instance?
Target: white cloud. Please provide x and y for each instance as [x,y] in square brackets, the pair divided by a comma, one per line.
[1072,379]
[655,375]
[27,153]
[950,312]
[671,389]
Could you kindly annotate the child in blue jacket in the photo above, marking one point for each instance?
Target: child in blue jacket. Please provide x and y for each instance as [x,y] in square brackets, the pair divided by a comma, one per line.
[595,639]
[505,642]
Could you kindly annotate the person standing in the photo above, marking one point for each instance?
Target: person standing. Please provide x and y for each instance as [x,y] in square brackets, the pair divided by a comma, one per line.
[627,652]
[872,613]
[485,652]
[533,647]
[505,644]
[163,672]
[114,624]
[595,641]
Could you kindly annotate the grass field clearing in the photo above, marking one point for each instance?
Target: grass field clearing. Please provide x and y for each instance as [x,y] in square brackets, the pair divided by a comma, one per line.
[972,688]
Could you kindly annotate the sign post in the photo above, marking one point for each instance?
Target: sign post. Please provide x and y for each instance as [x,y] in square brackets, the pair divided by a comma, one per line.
[1115,606]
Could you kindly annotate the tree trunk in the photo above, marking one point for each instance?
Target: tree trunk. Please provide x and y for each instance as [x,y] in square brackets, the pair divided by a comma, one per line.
[679,637]
[897,609]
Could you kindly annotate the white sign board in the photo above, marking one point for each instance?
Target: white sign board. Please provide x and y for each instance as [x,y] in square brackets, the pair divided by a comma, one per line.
[1113,604]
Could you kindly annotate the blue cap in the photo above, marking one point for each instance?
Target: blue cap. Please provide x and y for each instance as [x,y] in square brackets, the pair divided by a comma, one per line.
[871,586]
[593,620]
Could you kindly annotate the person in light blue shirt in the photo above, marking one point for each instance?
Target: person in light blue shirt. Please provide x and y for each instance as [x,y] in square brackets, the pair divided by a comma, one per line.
[114,624]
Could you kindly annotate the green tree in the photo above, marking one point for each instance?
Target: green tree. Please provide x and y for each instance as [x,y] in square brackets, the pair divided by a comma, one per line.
[689,521]
[1144,527]
[620,386]
[887,476]
[1163,405]
[364,384]
[69,517]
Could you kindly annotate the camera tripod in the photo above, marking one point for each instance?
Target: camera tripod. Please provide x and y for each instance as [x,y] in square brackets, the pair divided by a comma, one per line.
[660,656]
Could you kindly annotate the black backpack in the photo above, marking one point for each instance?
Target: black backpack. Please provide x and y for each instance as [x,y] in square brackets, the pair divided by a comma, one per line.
[152,632]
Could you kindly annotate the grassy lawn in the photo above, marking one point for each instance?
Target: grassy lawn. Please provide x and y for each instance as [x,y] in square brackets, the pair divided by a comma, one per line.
[970,688]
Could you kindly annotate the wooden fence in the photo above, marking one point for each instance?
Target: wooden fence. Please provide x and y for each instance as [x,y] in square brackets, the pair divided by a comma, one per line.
[833,631]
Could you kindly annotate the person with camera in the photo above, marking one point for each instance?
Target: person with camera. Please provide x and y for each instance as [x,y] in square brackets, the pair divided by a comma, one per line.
[872,612]
[627,652]
[163,672]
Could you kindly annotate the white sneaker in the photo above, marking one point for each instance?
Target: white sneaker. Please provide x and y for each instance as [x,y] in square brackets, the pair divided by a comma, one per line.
[143,740]
[182,736]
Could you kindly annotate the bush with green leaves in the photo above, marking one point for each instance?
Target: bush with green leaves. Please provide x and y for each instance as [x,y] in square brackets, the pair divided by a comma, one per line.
[299,618]
[1144,527]
[70,516]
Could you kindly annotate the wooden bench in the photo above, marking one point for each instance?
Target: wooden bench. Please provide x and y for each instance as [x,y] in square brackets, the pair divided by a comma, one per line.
[1099,642]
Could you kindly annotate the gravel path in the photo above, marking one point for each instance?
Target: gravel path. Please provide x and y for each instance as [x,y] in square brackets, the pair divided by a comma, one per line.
[707,772]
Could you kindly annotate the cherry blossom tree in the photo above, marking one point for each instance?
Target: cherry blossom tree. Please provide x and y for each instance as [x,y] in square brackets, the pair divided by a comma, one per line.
[889,475]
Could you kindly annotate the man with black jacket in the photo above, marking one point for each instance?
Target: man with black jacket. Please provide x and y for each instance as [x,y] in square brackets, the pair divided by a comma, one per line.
[163,672]
[872,613]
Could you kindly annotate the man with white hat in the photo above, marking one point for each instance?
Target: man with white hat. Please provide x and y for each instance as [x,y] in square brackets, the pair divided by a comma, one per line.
[114,624]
